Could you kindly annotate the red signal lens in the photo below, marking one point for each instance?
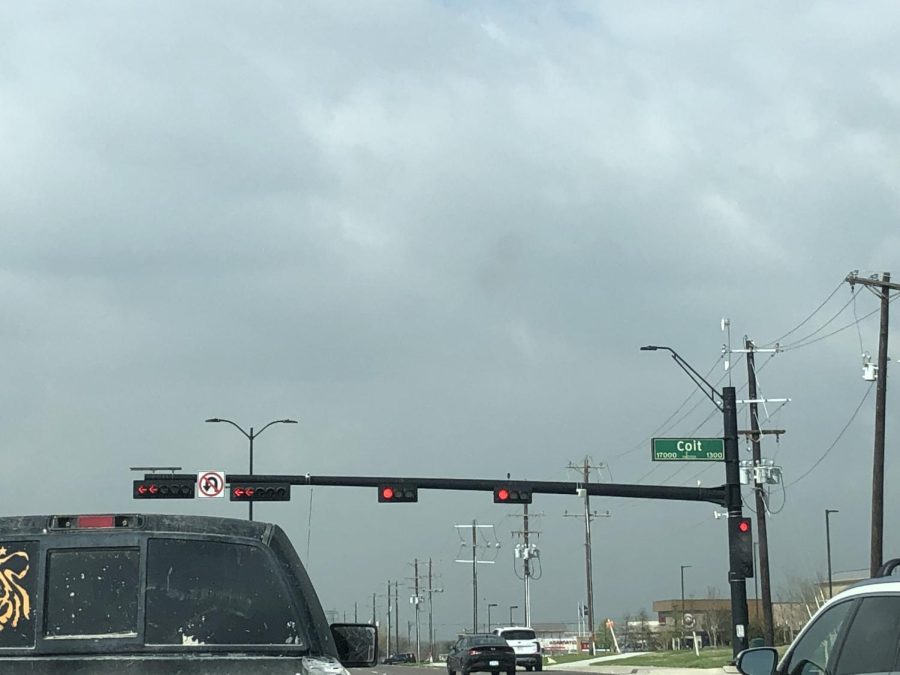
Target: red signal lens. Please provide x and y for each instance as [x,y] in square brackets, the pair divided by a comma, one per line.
[387,493]
[744,526]
[503,494]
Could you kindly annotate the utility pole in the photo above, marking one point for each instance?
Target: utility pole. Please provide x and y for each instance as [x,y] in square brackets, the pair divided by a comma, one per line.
[877,541]
[588,562]
[768,623]
[396,616]
[415,600]
[389,652]
[527,552]
[474,579]
[526,566]
[431,591]
[475,562]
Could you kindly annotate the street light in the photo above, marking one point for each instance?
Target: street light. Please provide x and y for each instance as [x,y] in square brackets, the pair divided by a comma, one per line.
[490,604]
[511,608]
[726,402]
[250,436]
[828,547]
[683,568]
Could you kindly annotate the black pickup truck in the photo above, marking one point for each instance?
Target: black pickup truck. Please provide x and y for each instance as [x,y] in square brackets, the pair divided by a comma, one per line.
[181,595]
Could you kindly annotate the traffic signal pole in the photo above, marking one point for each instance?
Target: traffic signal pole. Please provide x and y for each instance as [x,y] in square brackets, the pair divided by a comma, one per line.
[739,614]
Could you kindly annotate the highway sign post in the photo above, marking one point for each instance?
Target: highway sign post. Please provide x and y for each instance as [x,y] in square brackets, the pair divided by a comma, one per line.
[687,450]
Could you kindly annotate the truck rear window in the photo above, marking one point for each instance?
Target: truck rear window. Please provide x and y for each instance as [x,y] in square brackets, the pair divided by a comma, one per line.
[17,584]
[518,635]
[209,592]
[92,592]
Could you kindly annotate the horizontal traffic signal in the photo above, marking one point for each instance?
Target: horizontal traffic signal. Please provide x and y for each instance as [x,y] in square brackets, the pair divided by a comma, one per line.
[164,488]
[260,492]
[512,494]
[398,493]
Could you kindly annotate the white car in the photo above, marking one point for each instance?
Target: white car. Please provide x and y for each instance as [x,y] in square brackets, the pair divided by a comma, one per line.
[857,631]
[524,642]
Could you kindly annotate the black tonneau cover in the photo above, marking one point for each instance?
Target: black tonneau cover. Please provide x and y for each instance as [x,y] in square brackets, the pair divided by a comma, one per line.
[42,563]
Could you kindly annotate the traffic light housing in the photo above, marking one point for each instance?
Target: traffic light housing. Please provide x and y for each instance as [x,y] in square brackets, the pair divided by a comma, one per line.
[259,492]
[512,494]
[165,488]
[741,543]
[398,492]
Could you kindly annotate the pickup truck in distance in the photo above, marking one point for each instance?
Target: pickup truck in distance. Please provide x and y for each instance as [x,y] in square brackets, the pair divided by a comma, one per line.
[182,595]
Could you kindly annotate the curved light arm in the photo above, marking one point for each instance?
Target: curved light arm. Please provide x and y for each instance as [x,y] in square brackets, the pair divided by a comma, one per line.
[253,435]
[235,425]
[710,391]
[271,423]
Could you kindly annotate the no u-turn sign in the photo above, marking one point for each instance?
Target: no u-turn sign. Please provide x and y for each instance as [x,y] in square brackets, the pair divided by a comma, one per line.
[210,484]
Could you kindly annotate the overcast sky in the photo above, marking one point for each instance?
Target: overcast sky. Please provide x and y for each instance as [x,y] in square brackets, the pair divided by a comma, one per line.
[437,234]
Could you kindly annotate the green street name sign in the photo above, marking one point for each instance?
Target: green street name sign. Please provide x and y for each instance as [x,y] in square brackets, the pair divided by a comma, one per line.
[688,450]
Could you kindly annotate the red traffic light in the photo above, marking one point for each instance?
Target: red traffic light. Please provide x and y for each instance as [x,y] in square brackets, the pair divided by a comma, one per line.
[740,541]
[398,493]
[164,488]
[268,492]
[512,494]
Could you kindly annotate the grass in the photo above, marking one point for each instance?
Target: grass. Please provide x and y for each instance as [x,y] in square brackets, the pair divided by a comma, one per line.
[569,658]
[685,658]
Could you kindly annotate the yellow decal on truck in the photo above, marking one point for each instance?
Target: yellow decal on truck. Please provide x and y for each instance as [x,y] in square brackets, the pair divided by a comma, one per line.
[14,601]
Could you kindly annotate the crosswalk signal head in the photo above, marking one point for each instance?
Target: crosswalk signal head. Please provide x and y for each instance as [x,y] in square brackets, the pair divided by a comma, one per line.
[398,493]
[511,494]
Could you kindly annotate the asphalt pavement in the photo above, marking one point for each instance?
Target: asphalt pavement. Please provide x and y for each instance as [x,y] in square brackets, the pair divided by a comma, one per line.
[583,666]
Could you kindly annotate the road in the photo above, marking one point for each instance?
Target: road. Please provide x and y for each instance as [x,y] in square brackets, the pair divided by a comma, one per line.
[381,669]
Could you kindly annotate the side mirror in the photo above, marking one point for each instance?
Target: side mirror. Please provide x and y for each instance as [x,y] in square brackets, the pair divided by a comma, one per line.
[757,661]
[356,643]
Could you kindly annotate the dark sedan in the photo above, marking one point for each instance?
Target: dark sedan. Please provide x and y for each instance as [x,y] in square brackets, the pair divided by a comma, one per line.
[485,653]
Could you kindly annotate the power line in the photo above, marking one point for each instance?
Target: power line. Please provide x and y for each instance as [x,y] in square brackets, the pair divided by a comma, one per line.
[824,325]
[814,312]
[835,442]
[661,427]
[842,328]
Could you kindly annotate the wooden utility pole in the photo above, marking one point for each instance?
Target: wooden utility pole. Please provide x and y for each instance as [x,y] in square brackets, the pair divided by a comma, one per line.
[768,630]
[588,555]
[527,551]
[876,551]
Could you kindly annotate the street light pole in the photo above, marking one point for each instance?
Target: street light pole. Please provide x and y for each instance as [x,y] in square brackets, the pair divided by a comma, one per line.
[683,568]
[511,608]
[490,604]
[250,436]
[726,402]
[828,512]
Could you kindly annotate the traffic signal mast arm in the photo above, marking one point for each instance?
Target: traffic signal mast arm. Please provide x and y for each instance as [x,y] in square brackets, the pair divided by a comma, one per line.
[715,495]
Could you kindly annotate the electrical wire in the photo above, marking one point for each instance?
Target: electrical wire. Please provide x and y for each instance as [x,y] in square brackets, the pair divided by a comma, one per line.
[814,312]
[783,501]
[862,350]
[824,325]
[702,471]
[798,345]
[835,442]
[661,427]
